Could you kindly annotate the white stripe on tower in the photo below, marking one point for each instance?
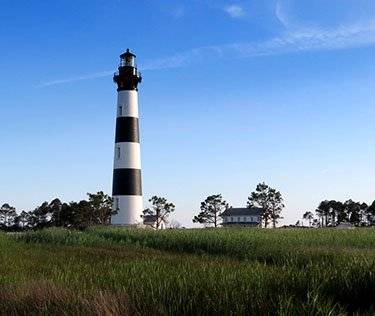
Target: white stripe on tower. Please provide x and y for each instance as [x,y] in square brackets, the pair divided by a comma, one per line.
[127,186]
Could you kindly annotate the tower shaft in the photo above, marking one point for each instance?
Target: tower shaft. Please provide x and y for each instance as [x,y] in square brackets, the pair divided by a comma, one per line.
[127,185]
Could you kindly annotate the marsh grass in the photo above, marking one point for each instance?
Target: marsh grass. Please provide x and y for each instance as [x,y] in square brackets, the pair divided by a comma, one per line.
[114,271]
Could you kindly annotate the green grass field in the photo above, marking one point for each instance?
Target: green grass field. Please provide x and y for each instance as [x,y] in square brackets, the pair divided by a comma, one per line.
[114,271]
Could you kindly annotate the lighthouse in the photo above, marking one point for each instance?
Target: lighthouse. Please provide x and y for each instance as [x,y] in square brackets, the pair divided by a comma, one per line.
[127,185]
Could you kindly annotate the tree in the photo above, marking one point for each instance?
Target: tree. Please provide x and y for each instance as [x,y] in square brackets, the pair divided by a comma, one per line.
[323,212]
[354,211]
[332,212]
[316,222]
[370,214]
[211,209]
[270,200]
[80,214]
[101,208]
[338,212]
[42,215]
[96,211]
[7,215]
[363,214]
[22,220]
[32,220]
[67,216]
[160,208]
[55,207]
[308,216]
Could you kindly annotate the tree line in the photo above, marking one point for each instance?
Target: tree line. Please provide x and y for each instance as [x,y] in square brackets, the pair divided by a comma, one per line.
[96,210]
[331,213]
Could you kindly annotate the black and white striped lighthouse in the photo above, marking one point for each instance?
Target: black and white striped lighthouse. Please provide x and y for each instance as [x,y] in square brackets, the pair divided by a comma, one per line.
[127,186]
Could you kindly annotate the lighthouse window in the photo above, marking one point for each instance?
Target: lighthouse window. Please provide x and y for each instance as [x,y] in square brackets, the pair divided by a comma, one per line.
[118,152]
[119,111]
[116,203]
[129,61]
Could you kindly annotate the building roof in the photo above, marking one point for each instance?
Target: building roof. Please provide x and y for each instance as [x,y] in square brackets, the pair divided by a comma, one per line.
[149,218]
[127,53]
[242,211]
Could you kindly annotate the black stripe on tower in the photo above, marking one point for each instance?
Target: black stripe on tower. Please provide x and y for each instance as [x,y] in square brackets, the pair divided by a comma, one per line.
[127,129]
[127,182]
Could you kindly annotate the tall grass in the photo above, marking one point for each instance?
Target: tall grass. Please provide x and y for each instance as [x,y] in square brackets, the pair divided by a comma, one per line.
[185,272]
[274,246]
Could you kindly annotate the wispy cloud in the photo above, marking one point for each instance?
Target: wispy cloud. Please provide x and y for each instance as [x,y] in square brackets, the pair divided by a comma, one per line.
[234,11]
[343,37]
[308,39]
[95,75]
[313,39]
[281,14]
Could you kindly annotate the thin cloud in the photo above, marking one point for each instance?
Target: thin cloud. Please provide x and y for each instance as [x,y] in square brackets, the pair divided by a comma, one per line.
[302,40]
[281,14]
[344,37]
[78,78]
[234,11]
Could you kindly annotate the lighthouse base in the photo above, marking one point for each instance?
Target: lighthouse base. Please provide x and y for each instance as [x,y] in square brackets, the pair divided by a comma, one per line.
[129,210]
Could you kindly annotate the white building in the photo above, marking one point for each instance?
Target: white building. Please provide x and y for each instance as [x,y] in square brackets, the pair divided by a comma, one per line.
[242,217]
[151,221]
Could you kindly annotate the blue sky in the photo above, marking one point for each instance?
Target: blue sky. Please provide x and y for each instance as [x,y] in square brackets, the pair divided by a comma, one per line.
[234,93]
